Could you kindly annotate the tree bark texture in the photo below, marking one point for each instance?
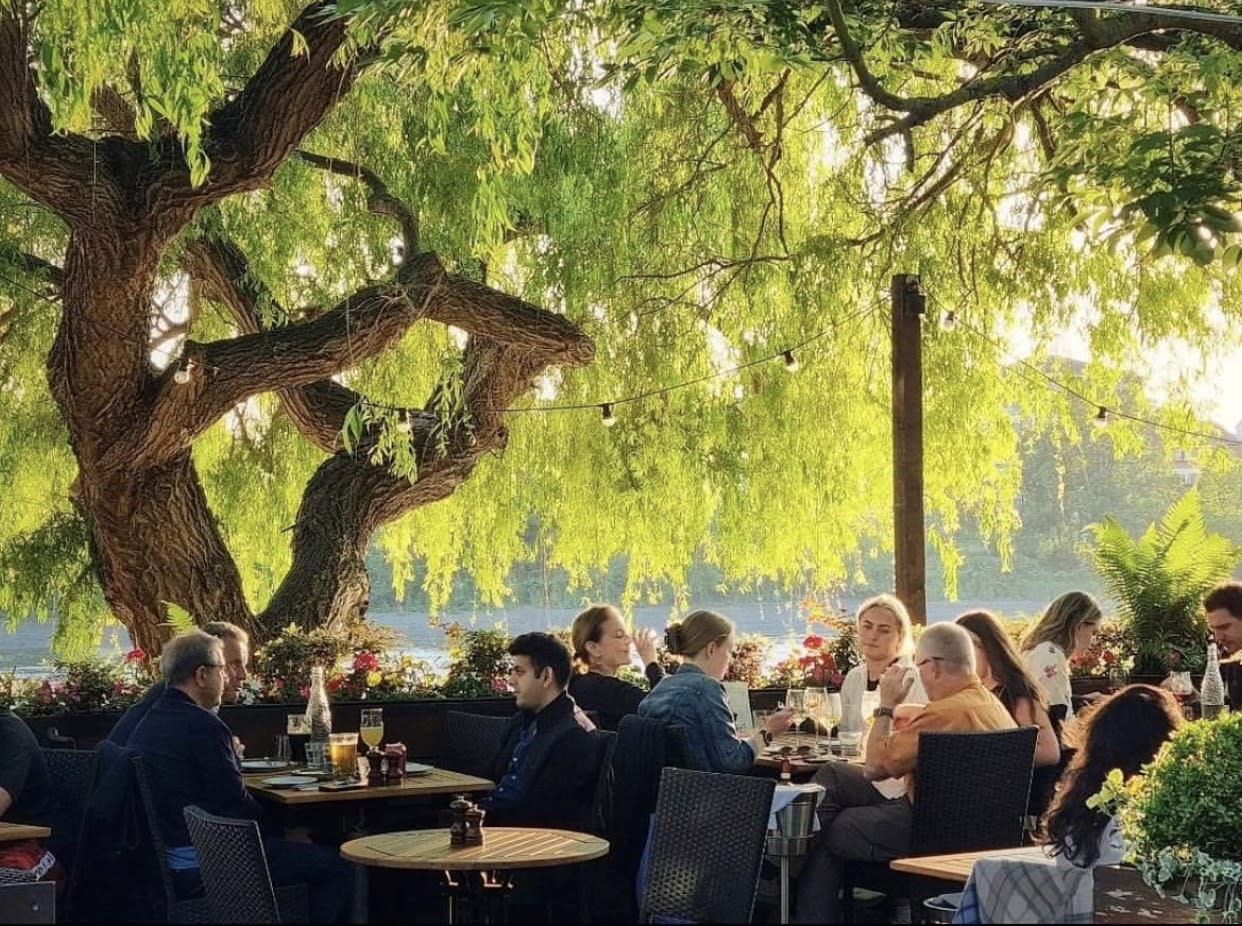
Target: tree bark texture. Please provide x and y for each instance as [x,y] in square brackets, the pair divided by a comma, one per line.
[155,538]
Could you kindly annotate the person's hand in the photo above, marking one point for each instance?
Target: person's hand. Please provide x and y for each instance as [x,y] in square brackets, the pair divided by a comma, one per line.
[645,643]
[583,720]
[779,721]
[895,685]
[239,747]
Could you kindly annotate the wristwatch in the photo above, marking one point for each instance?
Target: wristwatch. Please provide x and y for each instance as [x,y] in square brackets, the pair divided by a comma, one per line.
[766,736]
[882,712]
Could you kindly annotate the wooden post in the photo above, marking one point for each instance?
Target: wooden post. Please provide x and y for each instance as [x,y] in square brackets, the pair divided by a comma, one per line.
[909,557]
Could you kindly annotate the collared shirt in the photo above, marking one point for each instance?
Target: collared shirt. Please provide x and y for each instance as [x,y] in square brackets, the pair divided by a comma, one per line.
[972,707]
[512,787]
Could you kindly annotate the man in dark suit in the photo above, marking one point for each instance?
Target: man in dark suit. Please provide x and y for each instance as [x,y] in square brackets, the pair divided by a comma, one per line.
[236,658]
[547,769]
[189,757]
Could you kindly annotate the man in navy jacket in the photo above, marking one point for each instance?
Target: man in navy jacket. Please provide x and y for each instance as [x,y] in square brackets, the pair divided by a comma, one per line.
[189,758]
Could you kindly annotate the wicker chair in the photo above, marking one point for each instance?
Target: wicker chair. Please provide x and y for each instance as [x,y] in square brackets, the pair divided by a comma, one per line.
[707,847]
[72,774]
[191,910]
[471,742]
[971,794]
[235,873]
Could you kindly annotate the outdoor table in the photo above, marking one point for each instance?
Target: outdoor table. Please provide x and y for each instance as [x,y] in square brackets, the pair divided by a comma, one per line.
[800,769]
[503,848]
[437,781]
[956,866]
[14,832]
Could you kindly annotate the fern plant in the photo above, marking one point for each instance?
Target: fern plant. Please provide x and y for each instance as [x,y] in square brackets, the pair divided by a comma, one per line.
[1159,579]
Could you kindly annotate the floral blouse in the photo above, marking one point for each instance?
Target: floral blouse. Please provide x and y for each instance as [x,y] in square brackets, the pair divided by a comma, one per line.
[1047,663]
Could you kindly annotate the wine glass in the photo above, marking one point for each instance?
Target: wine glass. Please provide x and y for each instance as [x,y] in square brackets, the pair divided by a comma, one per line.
[371,726]
[831,714]
[816,702]
[1182,688]
[795,702]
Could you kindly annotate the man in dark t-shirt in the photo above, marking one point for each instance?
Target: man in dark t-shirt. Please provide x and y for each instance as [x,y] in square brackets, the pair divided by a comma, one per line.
[25,786]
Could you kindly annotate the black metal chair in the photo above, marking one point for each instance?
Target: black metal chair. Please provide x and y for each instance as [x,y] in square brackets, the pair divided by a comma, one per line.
[235,875]
[707,847]
[971,793]
[471,742]
[72,775]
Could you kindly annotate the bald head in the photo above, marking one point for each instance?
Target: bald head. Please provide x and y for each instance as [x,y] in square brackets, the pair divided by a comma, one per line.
[948,645]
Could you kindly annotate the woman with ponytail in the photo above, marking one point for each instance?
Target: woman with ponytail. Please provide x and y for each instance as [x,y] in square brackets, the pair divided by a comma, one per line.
[695,697]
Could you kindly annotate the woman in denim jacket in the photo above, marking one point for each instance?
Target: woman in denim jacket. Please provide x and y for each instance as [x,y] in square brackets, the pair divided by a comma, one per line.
[695,697]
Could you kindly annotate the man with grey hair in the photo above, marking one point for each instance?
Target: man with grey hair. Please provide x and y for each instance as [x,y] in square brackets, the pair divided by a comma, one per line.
[857,821]
[188,754]
[236,658]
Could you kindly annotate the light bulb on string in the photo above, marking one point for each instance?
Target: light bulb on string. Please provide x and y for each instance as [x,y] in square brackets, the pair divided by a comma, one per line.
[606,415]
[948,320]
[403,423]
[1101,417]
[791,362]
[182,376]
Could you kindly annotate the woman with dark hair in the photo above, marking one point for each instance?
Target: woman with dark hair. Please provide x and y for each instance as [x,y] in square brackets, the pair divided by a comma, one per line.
[1123,732]
[602,646]
[1001,671]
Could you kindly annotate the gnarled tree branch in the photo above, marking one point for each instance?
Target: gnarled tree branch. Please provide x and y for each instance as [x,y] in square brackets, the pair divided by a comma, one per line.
[380,201]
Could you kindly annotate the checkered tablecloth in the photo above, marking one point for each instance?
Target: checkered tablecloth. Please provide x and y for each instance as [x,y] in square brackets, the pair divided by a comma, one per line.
[1009,890]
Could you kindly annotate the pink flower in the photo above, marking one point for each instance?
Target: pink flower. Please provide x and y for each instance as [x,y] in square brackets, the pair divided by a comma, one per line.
[135,654]
[366,662]
[304,691]
[813,641]
[500,686]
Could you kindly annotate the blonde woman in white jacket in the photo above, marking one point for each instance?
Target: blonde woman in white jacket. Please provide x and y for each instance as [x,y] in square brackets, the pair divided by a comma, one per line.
[885,637]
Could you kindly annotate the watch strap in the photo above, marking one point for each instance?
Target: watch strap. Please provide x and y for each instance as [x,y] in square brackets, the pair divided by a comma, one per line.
[882,712]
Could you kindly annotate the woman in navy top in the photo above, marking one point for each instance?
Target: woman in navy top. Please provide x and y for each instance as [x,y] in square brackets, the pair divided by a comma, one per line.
[695,697]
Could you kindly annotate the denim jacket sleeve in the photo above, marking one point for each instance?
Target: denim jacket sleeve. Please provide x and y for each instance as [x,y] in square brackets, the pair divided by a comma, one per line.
[725,752]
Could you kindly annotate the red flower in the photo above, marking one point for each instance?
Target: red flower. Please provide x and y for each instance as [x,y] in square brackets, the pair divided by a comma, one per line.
[1109,656]
[334,684]
[304,691]
[135,654]
[813,641]
[366,662]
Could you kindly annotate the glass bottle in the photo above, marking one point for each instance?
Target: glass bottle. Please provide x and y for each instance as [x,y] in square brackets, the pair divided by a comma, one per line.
[1212,692]
[319,712]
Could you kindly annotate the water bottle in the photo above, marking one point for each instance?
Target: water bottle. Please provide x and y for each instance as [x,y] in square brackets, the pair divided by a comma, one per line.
[1212,692]
[318,715]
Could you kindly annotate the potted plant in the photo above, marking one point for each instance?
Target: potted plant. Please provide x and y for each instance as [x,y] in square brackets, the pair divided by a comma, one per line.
[1158,581]
[1179,818]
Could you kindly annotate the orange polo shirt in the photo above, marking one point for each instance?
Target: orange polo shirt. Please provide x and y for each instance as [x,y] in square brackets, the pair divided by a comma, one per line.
[972,707]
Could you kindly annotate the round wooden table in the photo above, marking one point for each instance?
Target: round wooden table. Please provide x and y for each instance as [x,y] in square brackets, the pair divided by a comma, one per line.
[504,847]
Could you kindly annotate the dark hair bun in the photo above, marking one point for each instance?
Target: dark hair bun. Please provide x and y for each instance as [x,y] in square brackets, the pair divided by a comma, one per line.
[672,638]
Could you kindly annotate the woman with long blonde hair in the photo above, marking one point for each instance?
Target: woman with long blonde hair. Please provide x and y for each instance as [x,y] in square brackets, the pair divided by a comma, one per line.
[1066,629]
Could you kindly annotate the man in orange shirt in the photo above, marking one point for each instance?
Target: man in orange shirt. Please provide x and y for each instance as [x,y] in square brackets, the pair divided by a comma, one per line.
[860,820]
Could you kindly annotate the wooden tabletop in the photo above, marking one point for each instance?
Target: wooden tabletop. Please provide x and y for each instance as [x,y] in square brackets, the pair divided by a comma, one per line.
[503,847]
[12,832]
[437,781]
[801,769]
[957,866]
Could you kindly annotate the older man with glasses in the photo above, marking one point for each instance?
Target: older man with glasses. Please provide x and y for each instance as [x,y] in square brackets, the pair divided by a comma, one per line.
[188,754]
[858,822]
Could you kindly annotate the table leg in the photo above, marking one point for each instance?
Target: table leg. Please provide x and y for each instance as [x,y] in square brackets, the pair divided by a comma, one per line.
[784,889]
[361,894]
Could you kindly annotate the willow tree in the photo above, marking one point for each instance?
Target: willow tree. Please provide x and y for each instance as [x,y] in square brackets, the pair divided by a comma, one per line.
[203,201]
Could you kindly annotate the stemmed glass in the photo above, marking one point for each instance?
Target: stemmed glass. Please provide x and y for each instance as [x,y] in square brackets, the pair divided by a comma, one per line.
[795,702]
[816,702]
[1182,688]
[830,716]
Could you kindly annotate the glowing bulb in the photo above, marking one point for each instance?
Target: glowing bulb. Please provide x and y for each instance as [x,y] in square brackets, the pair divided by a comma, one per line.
[1101,417]
[403,423]
[791,362]
[948,321]
[607,416]
[182,376]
